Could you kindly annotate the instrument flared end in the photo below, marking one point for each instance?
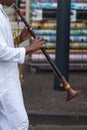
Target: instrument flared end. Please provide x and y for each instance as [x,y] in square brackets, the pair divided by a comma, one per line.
[72,93]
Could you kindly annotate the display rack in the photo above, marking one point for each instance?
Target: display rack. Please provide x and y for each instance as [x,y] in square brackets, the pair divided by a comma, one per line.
[78,35]
[42,16]
[78,32]
[44,23]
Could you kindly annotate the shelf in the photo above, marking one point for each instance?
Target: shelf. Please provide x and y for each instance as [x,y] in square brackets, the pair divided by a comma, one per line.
[46,66]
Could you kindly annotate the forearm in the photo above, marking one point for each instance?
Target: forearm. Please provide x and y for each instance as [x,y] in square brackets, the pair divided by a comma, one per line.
[28,50]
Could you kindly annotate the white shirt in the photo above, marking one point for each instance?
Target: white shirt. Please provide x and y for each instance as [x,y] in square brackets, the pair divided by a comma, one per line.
[9,56]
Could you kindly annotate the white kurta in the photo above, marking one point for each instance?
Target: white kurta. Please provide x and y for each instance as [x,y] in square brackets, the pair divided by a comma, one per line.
[12,111]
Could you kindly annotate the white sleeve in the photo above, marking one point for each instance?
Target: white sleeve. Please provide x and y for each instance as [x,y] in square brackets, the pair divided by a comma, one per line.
[8,54]
[12,54]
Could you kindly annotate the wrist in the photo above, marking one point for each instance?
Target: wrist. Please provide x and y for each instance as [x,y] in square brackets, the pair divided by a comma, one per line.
[28,50]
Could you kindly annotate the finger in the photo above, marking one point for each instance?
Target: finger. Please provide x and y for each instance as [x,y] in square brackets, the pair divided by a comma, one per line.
[41,40]
[25,28]
[37,37]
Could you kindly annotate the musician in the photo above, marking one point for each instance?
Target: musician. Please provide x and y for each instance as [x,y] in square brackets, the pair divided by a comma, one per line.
[13,115]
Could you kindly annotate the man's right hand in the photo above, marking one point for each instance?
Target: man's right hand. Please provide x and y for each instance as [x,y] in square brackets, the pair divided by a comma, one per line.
[36,44]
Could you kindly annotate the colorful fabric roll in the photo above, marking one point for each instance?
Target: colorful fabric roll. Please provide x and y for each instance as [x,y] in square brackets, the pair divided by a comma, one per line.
[78,45]
[72,57]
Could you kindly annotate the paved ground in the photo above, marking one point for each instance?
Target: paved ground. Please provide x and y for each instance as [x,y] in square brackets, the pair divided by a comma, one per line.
[58,127]
[41,98]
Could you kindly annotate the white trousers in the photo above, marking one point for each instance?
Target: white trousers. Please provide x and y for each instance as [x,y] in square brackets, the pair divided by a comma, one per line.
[13,115]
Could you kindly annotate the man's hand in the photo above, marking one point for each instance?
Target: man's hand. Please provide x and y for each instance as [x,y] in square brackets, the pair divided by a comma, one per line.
[36,44]
[24,34]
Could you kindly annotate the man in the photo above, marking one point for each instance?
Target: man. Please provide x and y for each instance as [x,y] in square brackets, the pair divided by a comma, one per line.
[12,111]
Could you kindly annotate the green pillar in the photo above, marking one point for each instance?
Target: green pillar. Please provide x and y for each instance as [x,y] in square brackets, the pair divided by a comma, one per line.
[62,42]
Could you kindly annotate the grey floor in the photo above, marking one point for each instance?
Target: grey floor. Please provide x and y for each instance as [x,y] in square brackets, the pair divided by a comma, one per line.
[41,98]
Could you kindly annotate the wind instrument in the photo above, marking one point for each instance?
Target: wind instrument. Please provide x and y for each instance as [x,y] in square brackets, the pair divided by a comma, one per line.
[71,93]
